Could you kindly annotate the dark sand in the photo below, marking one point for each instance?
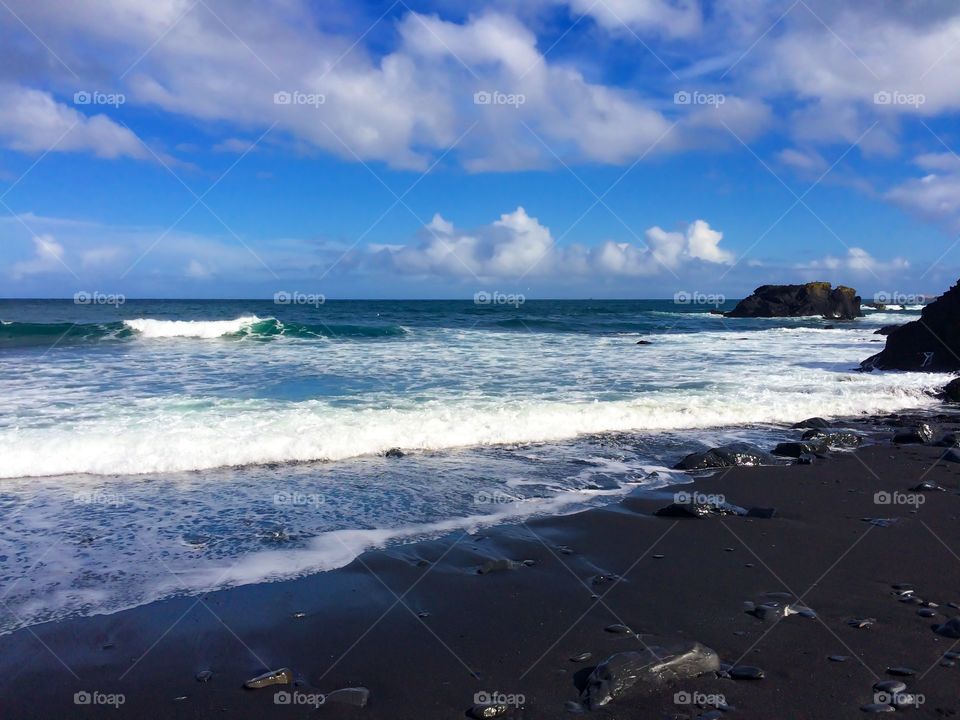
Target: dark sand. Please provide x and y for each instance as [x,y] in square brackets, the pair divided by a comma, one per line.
[514,631]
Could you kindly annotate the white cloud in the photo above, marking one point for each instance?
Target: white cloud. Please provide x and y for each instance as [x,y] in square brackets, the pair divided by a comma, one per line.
[32,121]
[48,257]
[858,261]
[518,245]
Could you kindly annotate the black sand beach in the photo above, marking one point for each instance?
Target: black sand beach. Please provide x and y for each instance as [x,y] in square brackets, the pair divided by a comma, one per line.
[424,631]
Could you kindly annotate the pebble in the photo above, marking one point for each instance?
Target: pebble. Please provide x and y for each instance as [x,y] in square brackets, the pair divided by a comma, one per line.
[529,563]
[659,557]
[564,550]
[749,565]
[481,712]
[838,658]
[861,623]
[298,615]
[890,686]
[204,676]
[901,671]
[948,663]
[582,657]
[952,655]
[746,672]
[926,612]
[283,676]
[618,629]
[423,614]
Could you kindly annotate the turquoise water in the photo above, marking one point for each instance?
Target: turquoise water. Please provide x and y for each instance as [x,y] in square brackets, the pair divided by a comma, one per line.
[158,447]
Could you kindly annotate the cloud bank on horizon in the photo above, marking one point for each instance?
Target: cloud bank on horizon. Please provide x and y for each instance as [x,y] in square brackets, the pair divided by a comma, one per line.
[634,96]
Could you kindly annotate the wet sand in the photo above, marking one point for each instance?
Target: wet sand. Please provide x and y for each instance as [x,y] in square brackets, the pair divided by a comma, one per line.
[424,631]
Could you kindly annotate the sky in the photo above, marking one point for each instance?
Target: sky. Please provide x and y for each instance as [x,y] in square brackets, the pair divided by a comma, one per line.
[408,149]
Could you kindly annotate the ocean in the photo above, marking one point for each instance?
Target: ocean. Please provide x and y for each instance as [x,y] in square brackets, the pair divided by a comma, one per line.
[157,448]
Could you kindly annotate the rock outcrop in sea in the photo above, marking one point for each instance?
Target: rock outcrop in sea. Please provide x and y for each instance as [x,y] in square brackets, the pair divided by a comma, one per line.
[814,298]
[931,343]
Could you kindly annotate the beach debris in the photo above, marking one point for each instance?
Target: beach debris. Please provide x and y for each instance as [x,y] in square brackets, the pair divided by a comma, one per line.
[648,668]
[355,696]
[950,629]
[283,676]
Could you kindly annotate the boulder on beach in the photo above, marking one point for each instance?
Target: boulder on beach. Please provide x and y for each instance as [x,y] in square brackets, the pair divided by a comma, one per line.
[931,343]
[801,448]
[814,422]
[726,456]
[649,668]
[951,391]
[814,298]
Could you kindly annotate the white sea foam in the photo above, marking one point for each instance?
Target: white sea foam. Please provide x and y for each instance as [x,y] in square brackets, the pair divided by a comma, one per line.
[207,329]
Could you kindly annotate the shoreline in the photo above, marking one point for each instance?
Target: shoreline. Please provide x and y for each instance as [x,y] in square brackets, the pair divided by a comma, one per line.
[424,630]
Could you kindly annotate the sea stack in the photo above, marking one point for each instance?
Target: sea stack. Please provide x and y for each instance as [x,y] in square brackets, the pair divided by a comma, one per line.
[931,343]
[814,298]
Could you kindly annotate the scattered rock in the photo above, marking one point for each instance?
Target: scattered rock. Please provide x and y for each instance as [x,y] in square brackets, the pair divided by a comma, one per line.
[838,658]
[746,672]
[815,298]
[918,435]
[488,710]
[814,422]
[394,453]
[649,668]
[930,343]
[283,676]
[951,391]
[618,629]
[726,456]
[861,623]
[950,629]
[890,686]
[204,676]
[582,657]
[836,439]
[699,510]
[901,671]
[800,449]
[927,486]
[644,342]
[926,612]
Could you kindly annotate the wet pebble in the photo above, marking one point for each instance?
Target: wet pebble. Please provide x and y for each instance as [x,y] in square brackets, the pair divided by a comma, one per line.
[204,676]
[838,658]
[901,671]
[926,612]
[746,672]
[582,657]
[283,676]
[890,686]
[618,629]
[659,557]
[861,623]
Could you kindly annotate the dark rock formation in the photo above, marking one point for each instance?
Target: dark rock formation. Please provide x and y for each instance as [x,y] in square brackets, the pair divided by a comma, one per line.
[887,330]
[951,391]
[816,298]
[726,456]
[919,435]
[650,669]
[814,422]
[799,449]
[931,343]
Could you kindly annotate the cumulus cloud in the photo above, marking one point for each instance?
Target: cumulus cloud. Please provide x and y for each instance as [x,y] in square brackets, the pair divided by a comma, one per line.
[33,121]
[518,245]
[48,257]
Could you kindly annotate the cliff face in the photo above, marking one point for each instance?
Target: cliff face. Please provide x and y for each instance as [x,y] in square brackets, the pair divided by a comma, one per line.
[931,343]
[815,298]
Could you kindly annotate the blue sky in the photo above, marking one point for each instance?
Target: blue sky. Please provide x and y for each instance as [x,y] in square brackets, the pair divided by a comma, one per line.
[558,148]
